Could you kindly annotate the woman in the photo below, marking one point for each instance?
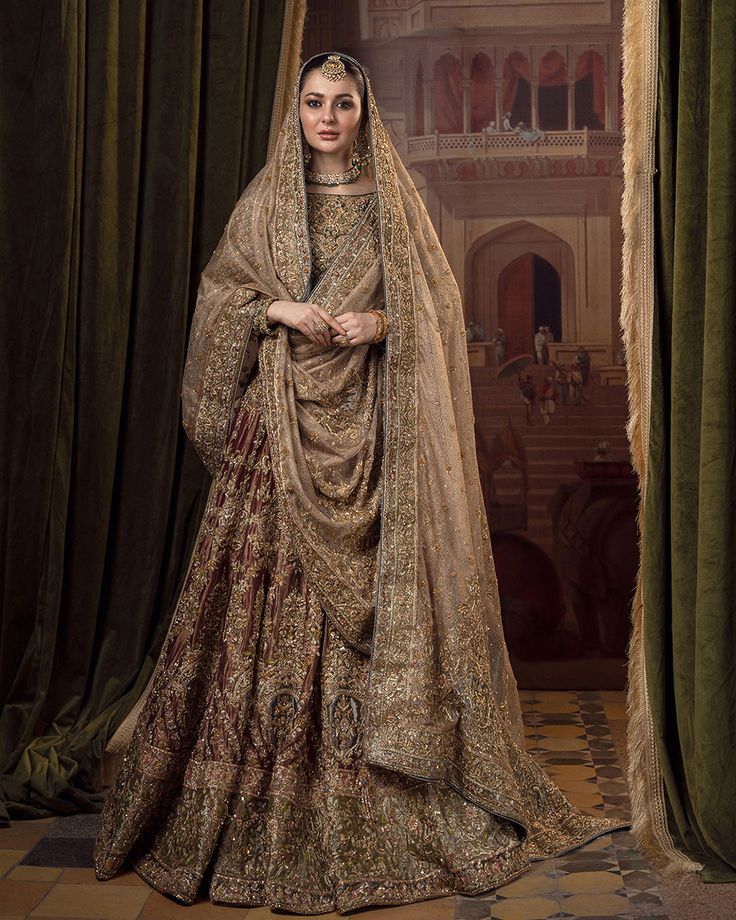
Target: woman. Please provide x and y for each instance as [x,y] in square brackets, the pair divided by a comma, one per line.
[333,721]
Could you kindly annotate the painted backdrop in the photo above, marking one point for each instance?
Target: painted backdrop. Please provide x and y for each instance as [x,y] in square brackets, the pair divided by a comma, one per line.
[509,118]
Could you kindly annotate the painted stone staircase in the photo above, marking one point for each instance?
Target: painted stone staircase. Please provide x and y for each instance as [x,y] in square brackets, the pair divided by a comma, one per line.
[573,434]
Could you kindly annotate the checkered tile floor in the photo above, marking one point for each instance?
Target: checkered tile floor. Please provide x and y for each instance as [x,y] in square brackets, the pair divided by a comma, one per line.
[578,737]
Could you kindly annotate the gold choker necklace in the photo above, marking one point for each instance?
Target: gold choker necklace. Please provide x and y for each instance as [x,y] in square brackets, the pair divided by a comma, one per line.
[350,175]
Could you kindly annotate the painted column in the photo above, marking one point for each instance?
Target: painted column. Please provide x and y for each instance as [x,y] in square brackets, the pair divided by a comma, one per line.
[466,106]
[570,104]
[428,106]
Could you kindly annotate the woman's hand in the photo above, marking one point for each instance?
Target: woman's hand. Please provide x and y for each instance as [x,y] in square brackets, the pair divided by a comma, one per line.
[360,328]
[304,317]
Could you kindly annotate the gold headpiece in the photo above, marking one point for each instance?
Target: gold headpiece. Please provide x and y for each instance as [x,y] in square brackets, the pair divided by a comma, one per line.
[333,68]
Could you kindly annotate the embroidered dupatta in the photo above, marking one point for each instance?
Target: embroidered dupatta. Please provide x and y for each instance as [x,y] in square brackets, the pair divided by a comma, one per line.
[421,597]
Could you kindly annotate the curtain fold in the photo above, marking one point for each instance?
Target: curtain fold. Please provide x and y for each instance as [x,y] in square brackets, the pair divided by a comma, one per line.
[482,93]
[689,565]
[448,95]
[128,131]
[515,69]
[590,65]
[553,70]
[682,695]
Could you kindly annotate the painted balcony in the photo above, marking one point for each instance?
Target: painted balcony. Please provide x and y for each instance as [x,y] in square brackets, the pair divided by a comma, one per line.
[510,144]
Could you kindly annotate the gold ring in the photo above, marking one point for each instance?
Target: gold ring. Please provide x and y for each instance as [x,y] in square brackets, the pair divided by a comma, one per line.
[320,326]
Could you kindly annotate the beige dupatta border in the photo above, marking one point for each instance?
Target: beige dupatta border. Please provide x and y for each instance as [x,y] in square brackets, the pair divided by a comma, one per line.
[640,58]
[292,33]
[288,68]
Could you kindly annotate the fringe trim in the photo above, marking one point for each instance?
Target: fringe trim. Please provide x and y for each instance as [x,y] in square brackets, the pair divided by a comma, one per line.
[289,62]
[640,58]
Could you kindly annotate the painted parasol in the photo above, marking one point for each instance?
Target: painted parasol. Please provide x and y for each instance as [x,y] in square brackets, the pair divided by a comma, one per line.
[514,366]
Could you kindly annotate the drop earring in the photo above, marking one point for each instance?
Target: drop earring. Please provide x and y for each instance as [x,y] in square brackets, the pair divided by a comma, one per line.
[361,150]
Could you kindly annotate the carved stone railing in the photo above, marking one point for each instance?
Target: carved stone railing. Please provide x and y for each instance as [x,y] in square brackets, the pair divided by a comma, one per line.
[508,144]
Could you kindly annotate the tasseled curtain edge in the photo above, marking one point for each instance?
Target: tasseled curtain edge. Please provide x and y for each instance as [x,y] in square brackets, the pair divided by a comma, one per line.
[289,63]
[640,59]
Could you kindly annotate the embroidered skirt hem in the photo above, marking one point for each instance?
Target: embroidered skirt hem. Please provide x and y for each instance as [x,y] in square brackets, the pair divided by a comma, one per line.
[245,776]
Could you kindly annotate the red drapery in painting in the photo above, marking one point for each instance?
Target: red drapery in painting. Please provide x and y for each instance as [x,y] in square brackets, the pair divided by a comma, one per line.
[482,93]
[553,107]
[448,95]
[514,67]
[552,70]
[590,63]
[448,87]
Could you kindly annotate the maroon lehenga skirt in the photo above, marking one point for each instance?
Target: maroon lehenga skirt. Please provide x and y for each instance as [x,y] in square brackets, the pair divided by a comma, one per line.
[244,780]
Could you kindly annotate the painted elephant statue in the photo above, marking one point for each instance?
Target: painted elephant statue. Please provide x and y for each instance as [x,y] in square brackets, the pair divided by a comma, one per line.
[532,599]
[596,553]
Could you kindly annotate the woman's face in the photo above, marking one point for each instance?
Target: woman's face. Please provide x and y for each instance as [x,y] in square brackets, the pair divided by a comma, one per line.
[330,112]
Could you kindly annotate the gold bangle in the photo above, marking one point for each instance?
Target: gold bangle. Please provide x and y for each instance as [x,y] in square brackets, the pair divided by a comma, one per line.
[375,316]
[381,325]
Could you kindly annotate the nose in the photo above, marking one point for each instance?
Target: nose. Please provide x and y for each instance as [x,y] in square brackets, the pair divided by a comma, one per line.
[329,115]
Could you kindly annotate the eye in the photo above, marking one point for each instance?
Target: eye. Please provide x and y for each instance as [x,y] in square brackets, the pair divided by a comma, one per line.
[347,103]
[312,103]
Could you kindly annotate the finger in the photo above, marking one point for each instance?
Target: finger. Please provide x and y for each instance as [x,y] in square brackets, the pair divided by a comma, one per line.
[324,337]
[321,338]
[309,333]
[310,322]
[345,317]
[331,321]
[333,328]
[344,332]
[319,314]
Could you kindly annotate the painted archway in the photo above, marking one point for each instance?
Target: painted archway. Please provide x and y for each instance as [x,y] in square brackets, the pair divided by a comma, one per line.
[492,254]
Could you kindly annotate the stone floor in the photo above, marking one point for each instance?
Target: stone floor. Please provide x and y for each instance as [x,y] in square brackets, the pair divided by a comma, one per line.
[45,866]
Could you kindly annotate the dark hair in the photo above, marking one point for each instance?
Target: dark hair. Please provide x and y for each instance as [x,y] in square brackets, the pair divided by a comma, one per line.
[351,69]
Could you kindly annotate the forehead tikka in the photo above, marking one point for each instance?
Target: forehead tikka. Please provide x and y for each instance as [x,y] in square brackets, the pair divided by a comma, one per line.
[333,68]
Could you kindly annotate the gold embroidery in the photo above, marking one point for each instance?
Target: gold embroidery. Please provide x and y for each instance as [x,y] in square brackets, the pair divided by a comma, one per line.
[212,420]
[331,218]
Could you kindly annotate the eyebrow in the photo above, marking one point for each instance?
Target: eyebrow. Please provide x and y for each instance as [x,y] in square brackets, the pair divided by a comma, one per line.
[339,95]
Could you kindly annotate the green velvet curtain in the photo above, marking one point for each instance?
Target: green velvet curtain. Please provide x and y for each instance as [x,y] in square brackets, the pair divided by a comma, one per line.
[689,555]
[127,131]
